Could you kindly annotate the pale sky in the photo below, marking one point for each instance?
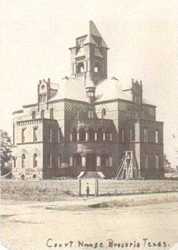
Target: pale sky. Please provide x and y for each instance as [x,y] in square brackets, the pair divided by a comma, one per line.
[142,36]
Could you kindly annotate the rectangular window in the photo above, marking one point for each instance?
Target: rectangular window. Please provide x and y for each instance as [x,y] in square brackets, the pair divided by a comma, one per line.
[33,115]
[156,161]
[98,161]
[70,161]
[35,134]
[122,135]
[14,160]
[50,135]
[50,160]
[145,135]
[23,135]
[90,114]
[131,134]
[51,113]
[95,136]
[110,161]
[71,137]
[83,161]
[59,161]
[110,136]
[156,136]
[42,114]
[146,161]
[59,136]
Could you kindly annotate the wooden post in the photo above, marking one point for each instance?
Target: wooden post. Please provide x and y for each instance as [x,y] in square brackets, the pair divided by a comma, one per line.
[80,187]
[96,187]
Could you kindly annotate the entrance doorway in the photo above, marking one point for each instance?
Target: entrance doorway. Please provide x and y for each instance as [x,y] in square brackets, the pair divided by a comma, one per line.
[91,162]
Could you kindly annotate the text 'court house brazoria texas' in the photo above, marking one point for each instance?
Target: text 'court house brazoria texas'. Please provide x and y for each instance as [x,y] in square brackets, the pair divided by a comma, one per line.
[88,125]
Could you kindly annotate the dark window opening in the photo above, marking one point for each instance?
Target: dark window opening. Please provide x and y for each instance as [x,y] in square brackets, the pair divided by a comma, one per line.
[96,69]
[91,134]
[104,160]
[82,134]
[80,67]
[23,160]
[23,177]
[42,114]
[33,115]
[35,134]
[51,113]
[35,162]
[103,112]
[100,135]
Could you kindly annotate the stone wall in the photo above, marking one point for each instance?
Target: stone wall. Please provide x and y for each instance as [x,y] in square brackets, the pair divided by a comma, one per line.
[61,189]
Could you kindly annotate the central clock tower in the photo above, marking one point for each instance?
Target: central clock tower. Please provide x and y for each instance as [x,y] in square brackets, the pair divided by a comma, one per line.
[89,56]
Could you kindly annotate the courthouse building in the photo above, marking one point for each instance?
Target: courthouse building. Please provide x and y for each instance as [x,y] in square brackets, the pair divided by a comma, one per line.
[87,125]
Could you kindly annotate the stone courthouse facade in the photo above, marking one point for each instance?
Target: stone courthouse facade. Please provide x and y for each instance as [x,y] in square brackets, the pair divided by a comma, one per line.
[84,125]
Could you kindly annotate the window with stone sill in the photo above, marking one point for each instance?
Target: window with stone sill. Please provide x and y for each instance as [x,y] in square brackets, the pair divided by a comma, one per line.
[145,135]
[35,138]
[90,114]
[157,161]
[51,113]
[35,162]
[98,161]
[23,160]
[156,136]
[23,134]
[110,161]
[59,161]
[70,161]
[33,115]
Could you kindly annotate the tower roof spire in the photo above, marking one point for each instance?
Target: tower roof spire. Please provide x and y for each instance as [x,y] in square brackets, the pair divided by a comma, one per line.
[93,35]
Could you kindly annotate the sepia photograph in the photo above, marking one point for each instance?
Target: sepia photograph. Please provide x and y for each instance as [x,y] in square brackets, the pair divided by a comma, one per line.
[88,125]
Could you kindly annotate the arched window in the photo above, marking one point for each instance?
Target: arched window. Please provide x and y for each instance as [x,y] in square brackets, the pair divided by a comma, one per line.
[34,176]
[35,161]
[23,160]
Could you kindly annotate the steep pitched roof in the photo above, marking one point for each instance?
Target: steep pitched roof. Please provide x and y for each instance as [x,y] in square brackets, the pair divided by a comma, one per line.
[93,32]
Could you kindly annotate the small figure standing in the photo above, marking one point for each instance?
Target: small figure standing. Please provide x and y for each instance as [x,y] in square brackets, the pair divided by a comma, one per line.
[87,190]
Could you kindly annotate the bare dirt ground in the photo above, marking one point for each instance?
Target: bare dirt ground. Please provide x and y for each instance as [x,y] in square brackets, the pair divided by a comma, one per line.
[93,223]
